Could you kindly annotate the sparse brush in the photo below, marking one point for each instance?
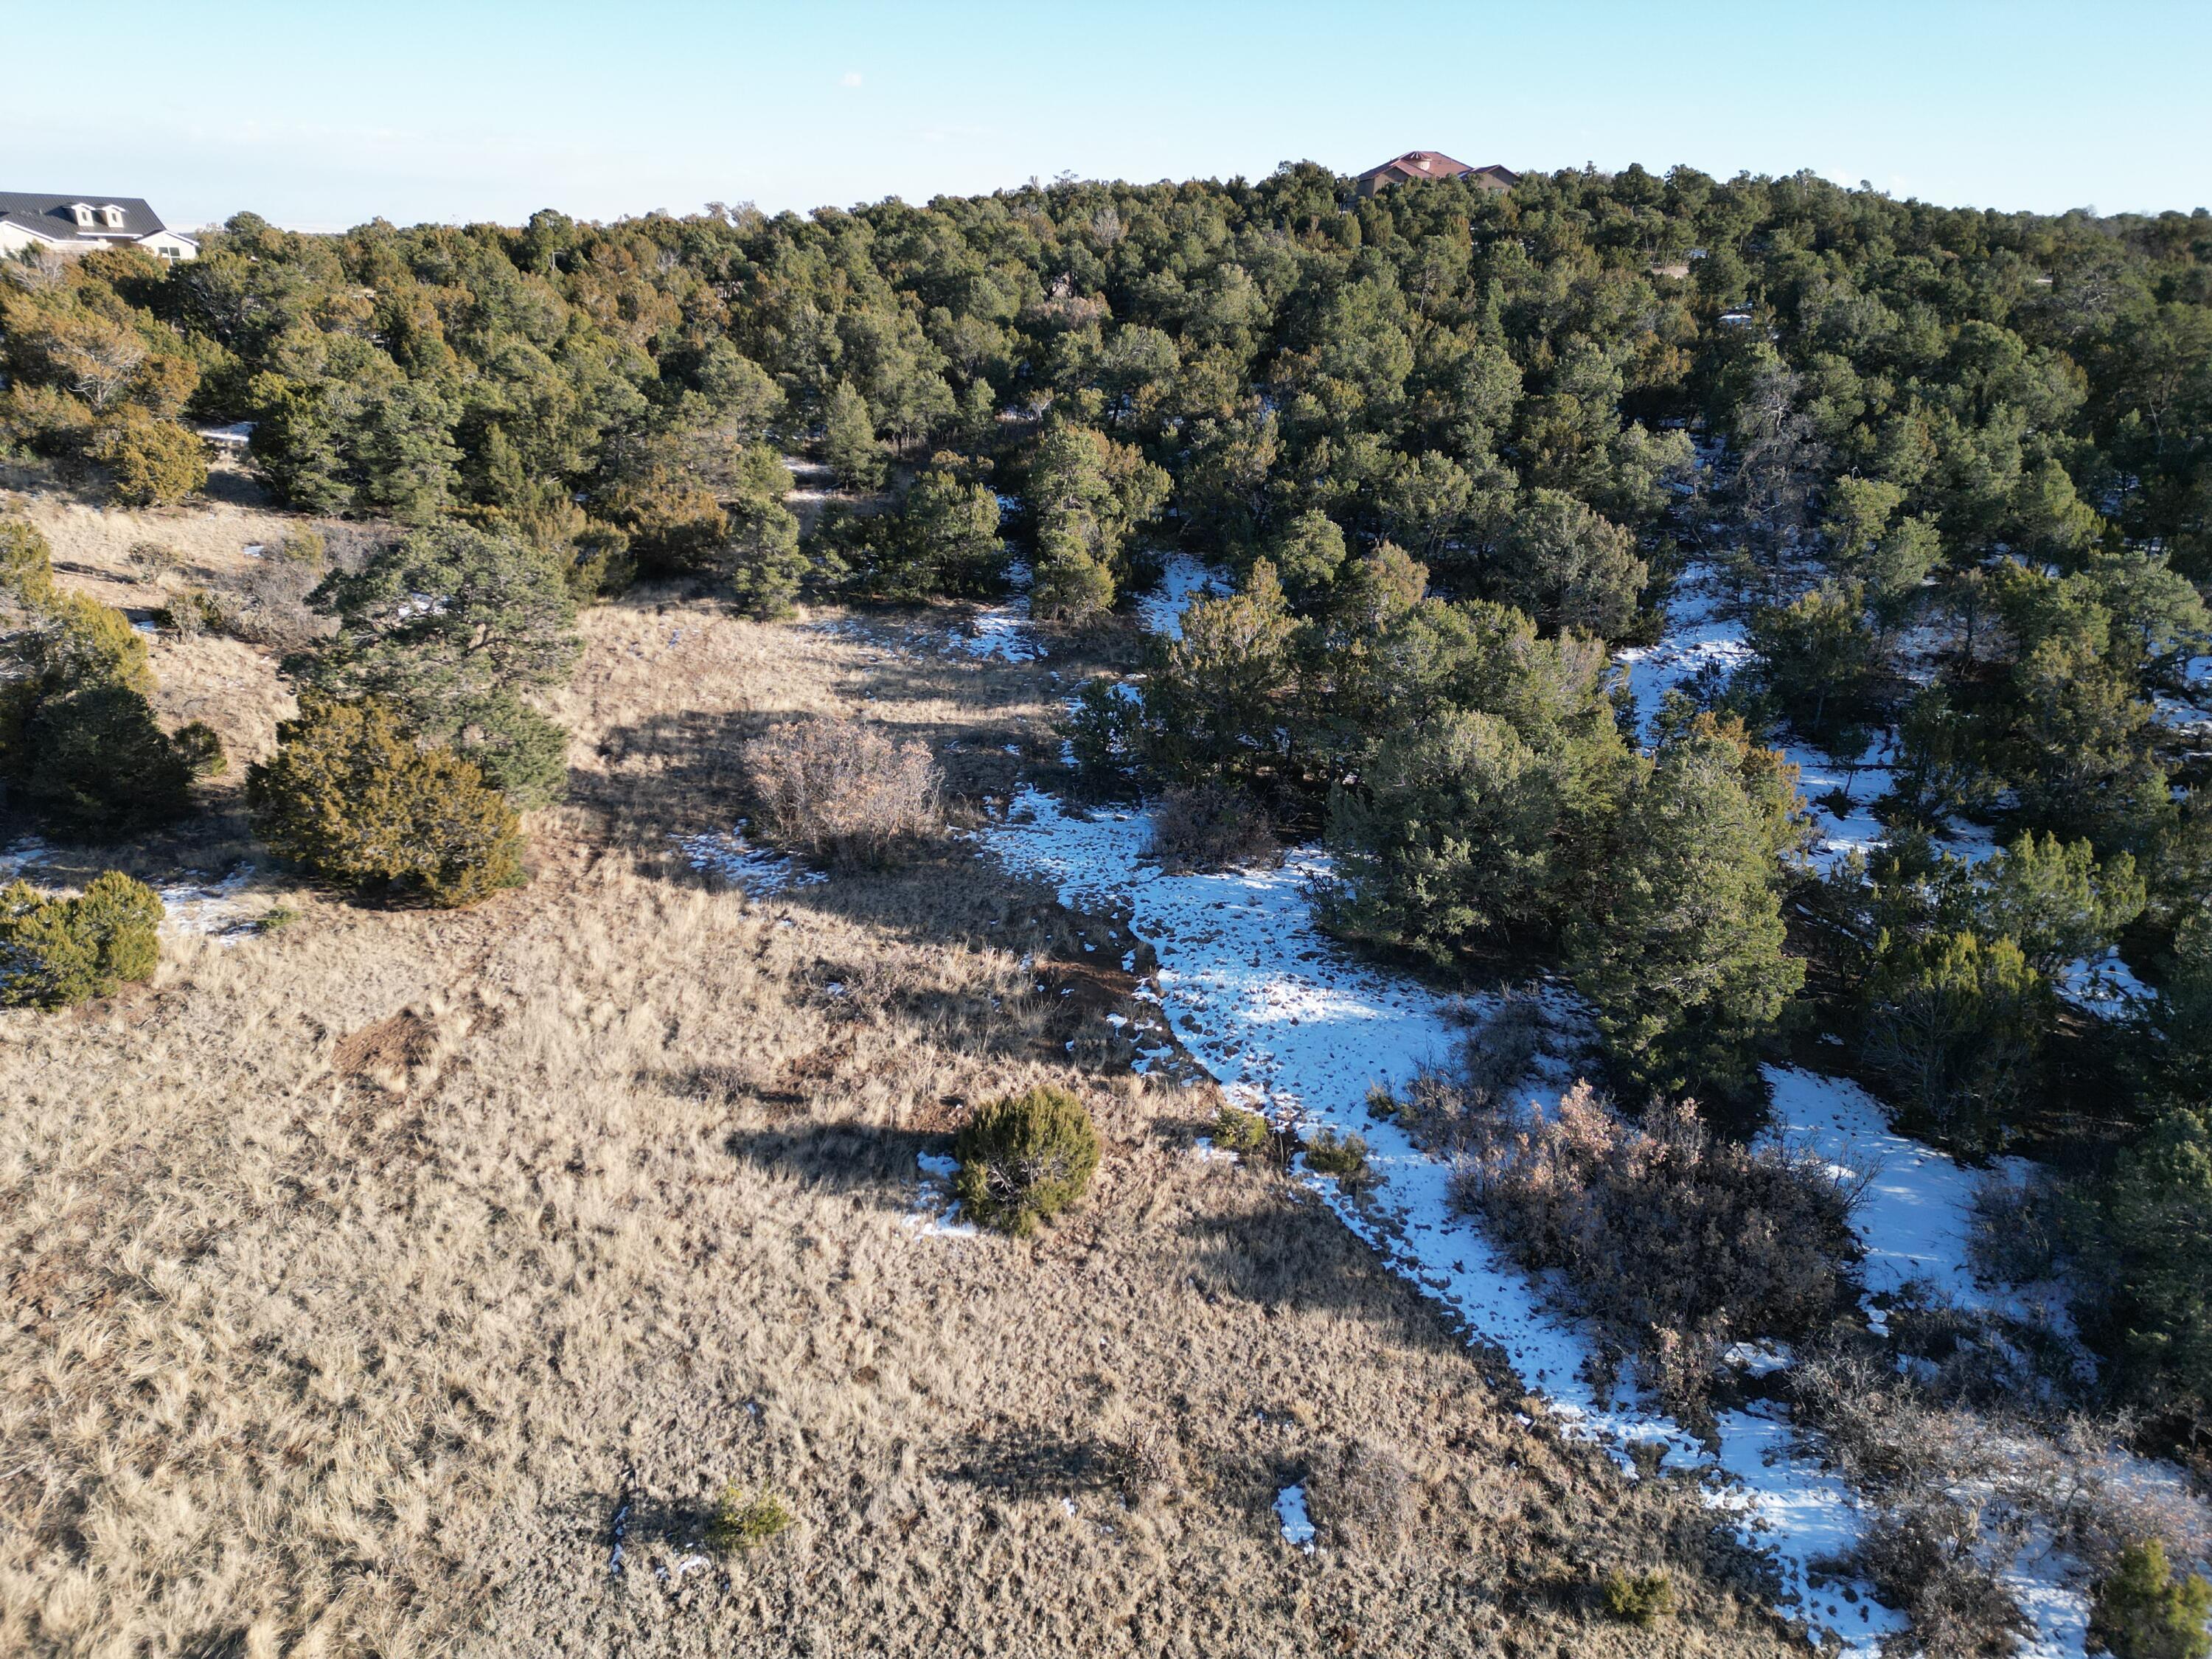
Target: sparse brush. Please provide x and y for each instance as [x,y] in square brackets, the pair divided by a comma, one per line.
[1675,1238]
[1211,828]
[1148,1464]
[1927,1559]
[844,793]
[1362,1498]
[151,560]
[745,1520]
[195,611]
[1449,1110]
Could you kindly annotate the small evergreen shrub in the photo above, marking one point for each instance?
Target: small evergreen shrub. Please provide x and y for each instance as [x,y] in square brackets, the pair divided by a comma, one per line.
[55,951]
[745,1521]
[2142,1611]
[149,462]
[1024,1158]
[304,546]
[193,612]
[1344,1159]
[350,795]
[101,768]
[27,566]
[1236,1130]
[843,794]
[1642,1598]
[1105,733]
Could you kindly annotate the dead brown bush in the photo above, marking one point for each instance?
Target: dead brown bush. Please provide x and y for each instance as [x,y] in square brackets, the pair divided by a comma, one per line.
[1676,1239]
[844,793]
[265,602]
[1922,1559]
[1210,828]
[1954,1490]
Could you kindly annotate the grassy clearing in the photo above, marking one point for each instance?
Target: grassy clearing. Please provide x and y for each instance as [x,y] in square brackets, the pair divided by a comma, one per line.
[366,1280]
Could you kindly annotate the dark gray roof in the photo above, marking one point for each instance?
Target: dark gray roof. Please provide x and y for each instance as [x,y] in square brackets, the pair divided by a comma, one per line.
[55,216]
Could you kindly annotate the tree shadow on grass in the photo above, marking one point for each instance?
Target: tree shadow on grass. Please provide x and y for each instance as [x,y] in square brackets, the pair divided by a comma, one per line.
[861,1161]
[1030,1463]
[1296,1256]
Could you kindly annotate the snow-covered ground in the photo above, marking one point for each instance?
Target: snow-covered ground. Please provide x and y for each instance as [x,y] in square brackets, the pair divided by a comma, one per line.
[1290,1024]
[215,910]
[1003,632]
[1700,642]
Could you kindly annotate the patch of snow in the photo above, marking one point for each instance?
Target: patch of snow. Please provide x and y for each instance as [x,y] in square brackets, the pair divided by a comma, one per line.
[19,857]
[1001,634]
[936,1211]
[1916,1217]
[208,908]
[1917,1211]
[2106,988]
[1297,1525]
[753,869]
[1757,1358]
[1184,579]
[1697,639]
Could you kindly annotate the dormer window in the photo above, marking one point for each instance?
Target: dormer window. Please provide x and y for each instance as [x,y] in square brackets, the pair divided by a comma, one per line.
[114,217]
[83,212]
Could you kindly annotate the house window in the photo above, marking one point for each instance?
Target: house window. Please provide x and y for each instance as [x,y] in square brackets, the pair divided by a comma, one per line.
[113,215]
[83,212]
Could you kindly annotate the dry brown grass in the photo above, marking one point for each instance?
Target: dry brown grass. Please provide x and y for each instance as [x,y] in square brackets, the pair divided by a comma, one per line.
[359,1277]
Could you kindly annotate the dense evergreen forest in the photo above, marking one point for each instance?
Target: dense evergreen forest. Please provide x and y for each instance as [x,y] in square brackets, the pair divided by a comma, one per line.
[1952,468]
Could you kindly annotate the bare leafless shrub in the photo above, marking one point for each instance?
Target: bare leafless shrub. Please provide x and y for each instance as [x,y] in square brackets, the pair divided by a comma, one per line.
[2017,1233]
[1211,828]
[844,793]
[266,603]
[1954,1490]
[1449,1110]
[1923,1558]
[1361,1497]
[1676,1239]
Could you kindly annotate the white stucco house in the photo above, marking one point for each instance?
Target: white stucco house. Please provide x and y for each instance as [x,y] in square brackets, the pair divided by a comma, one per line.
[78,224]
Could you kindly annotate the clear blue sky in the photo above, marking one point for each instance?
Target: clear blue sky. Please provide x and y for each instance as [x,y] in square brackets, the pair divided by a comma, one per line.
[320,114]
